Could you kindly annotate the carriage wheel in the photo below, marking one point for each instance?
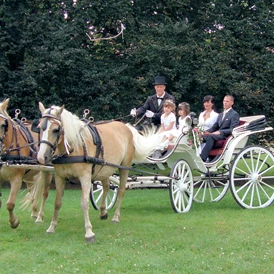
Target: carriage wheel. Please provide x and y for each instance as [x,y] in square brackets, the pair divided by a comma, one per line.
[96,193]
[210,189]
[252,177]
[181,188]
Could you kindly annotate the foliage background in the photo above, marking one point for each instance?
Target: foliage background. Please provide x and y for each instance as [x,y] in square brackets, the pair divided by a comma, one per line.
[201,47]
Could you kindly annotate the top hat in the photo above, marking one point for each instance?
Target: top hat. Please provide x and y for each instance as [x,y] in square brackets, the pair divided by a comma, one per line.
[160,80]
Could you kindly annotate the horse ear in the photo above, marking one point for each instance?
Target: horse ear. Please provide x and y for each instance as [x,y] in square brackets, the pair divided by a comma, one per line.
[5,104]
[59,112]
[42,108]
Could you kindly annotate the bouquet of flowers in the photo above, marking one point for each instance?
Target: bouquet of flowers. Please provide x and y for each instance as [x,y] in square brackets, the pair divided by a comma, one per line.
[195,137]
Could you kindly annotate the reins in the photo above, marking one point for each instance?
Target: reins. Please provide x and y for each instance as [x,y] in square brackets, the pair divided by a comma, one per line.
[27,145]
[138,121]
[65,159]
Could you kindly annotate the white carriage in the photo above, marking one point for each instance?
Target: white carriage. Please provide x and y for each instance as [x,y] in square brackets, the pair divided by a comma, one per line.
[248,170]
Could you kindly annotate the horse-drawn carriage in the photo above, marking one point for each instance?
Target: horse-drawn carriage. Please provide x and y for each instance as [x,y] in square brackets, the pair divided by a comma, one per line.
[248,170]
[78,150]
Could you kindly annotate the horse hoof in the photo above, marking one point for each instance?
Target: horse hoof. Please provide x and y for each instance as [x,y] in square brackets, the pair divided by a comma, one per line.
[39,220]
[90,240]
[104,217]
[14,224]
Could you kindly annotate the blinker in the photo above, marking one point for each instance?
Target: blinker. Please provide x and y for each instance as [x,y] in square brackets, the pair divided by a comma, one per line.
[34,126]
[44,124]
[6,125]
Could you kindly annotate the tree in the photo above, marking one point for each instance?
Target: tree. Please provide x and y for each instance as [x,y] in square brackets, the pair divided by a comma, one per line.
[201,47]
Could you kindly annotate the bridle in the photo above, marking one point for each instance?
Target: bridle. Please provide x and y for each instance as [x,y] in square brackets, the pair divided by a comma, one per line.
[48,117]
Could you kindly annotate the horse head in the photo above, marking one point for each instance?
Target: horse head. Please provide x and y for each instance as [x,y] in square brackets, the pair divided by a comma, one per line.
[51,132]
[3,119]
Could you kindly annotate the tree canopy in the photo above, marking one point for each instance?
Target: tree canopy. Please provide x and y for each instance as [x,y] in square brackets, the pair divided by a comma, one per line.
[204,47]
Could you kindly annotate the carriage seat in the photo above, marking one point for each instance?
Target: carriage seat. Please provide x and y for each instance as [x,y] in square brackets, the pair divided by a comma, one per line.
[220,144]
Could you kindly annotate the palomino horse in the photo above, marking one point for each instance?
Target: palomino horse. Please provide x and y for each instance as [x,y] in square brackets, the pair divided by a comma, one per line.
[77,154]
[19,145]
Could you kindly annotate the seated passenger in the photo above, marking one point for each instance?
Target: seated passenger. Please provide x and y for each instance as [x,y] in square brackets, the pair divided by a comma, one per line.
[209,116]
[184,121]
[168,122]
[226,122]
[206,118]
[184,125]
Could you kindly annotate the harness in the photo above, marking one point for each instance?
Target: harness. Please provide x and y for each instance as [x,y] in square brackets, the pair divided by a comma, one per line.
[66,159]
[18,127]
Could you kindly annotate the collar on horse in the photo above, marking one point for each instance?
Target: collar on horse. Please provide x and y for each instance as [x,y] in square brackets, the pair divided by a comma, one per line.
[96,137]
[65,159]
[17,128]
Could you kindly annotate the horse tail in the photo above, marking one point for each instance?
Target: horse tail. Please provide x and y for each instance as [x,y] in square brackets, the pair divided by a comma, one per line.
[145,144]
[33,195]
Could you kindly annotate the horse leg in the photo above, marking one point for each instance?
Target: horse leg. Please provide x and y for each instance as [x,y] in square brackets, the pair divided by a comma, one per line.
[60,186]
[46,178]
[34,211]
[86,186]
[103,211]
[16,184]
[121,192]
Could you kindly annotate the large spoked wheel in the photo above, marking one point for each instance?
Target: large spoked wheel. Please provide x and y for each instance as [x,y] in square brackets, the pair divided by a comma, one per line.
[181,187]
[96,194]
[210,189]
[252,177]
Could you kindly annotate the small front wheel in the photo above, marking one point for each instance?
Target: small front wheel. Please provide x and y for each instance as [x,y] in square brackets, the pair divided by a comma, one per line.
[181,187]
[210,189]
[96,194]
[252,177]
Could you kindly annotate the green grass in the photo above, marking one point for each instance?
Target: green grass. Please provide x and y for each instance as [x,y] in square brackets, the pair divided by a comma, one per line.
[150,238]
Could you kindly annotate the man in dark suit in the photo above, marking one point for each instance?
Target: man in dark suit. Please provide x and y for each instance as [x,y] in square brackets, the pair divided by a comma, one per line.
[153,107]
[226,121]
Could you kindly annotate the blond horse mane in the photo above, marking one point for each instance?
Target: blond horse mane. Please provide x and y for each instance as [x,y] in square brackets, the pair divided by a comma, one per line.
[73,127]
[3,110]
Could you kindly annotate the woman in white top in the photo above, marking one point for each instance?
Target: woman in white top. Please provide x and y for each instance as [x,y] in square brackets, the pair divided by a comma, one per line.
[209,116]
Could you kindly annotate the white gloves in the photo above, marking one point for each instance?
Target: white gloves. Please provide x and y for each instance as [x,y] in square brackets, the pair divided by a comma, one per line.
[133,112]
[149,114]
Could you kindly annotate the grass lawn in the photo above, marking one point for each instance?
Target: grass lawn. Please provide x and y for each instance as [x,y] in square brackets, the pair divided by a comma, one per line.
[211,238]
